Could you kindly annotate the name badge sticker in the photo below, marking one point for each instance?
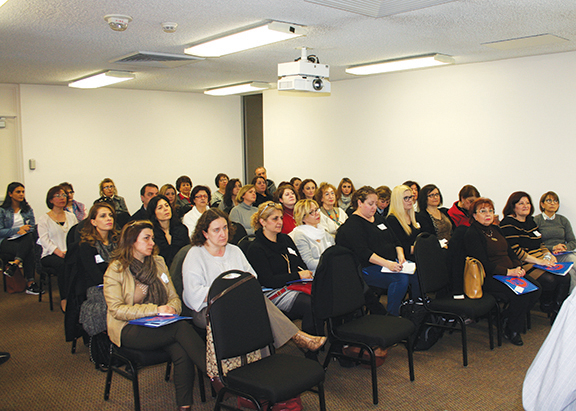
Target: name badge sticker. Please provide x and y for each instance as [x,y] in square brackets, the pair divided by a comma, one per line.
[382,227]
[98,258]
[164,278]
[291,251]
[537,233]
[519,289]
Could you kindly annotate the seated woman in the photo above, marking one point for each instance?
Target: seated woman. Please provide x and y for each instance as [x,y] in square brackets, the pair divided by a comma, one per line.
[261,188]
[556,230]
[332,216]
[486,242]
[295,182]
[170,235]
[73,206]
[525,240]
[344,193]
[376,246]
[307,189]
[200,196]
[242,213]
[286,195]
[383,205]
[136,285]
[52,229]
[229,200]
[402,219]
[432,219]
[276,260]
[310,239]
[415,187]
[184,186]
[459,212]
[17,227]
[98,239]
[217,196]
[179,208]
[109,194]
[210,256]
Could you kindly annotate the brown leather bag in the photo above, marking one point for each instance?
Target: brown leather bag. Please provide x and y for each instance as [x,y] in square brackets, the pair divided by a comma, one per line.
[473,278]
[17,283]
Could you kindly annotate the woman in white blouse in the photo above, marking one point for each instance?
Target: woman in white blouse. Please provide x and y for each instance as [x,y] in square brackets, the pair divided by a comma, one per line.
[310,239]
[200,198]
[332,216]
[52,230]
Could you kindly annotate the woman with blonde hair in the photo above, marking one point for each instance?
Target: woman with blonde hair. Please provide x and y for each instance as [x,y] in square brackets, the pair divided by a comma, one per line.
[136,285]
[242,213]
[402,219]
[276,260]
[332,216]
[310,239]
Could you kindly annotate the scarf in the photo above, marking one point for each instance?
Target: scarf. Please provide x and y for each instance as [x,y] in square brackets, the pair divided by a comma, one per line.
[146,273]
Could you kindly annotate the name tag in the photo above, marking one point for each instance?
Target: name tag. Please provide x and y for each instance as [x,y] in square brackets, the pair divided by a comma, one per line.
[164,278]
[291,251]
[536,233]
[98,258]
[382,227]
[519,289]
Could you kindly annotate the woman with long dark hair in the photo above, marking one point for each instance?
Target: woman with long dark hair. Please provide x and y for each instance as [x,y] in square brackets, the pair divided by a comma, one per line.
[136,285]
[17,235]
[229,200]
[170,234]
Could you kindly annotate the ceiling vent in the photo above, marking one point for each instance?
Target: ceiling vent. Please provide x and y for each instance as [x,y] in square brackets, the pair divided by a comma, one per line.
[379,8]
[158,60]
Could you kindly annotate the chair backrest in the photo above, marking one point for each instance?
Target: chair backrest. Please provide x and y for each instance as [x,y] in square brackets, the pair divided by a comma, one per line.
[239,233]
[176,274]
[338,286]
[245,243]
[237,315]
[430,264]
[456,259]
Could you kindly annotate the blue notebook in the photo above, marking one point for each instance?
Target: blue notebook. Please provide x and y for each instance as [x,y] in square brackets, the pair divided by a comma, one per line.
[558,268]
[517,284]
[157,320]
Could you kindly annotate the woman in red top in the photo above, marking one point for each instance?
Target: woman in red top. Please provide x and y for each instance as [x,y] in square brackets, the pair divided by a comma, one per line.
[286,195]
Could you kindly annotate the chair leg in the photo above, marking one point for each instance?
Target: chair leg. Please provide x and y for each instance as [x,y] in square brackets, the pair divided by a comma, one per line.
[464,342]
[108,381]
[321,398]
[374,375]
[528,321]
[135,388]
[410,351]
[490,333]
[73,350]
[168,370]
[201,387]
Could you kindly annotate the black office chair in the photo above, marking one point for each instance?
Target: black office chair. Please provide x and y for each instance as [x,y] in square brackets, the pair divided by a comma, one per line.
[176,275]
[434,277]
[338,298]
[46,274]
[240,325]
[245,243]
[135,360]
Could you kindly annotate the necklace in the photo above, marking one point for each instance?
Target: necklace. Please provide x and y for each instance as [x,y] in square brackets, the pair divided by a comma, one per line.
[490,234]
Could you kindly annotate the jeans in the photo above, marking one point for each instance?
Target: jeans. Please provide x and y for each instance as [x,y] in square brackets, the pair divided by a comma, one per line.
[396,283]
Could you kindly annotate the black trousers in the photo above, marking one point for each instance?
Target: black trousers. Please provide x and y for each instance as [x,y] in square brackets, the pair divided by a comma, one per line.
[22,249]
[181,342]
[57,263]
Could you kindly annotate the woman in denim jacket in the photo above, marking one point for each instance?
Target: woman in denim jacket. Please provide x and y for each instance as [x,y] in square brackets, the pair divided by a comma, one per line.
[17,225]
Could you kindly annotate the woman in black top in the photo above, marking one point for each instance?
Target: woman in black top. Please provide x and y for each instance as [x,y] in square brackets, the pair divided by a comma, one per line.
[402,219]
[376,246]
[433,219]
[525,240]
[170,235]
[262,194]
[486,242]
[276,260]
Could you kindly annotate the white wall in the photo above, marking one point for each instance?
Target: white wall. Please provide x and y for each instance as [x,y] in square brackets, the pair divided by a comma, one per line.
[502,126]
[10,148]
[131,136]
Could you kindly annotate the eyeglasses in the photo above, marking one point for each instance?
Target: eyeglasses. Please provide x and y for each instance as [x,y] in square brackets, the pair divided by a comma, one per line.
[201,196]
[485,211]
[70,192]
[60,196]
[408,198]
[107,187]
[315,211]
[551,201]
[433,195]
[268,204]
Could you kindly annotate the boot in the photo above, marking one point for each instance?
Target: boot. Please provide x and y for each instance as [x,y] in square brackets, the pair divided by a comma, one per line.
[308,342]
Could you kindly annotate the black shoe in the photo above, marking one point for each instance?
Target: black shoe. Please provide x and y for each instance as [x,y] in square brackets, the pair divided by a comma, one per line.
[10,269]
[33,289]
[514,337]
[4,356]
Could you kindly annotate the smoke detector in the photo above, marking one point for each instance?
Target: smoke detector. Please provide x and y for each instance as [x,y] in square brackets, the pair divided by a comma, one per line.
[169,27]
[118,22]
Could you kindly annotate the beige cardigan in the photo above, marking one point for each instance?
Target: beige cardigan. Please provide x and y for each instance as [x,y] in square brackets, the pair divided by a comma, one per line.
[119,293]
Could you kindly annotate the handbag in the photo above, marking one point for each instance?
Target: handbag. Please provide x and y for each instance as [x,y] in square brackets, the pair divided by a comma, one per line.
[93,311]
[473,278]
[16,283]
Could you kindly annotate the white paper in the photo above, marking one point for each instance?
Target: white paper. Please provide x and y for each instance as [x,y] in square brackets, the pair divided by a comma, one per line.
[407,268]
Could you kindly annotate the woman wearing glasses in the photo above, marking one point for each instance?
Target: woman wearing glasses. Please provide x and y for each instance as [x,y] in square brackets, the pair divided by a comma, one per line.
[310,239]
[52,230]
[109,194]
[432,218]
[556,230]
[200,197]
[525,239]
[277,262]
[402,219]
[485,241]
[376,246]
[75,207]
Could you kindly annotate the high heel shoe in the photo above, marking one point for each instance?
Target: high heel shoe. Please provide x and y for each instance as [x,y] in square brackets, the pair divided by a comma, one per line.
[308,342]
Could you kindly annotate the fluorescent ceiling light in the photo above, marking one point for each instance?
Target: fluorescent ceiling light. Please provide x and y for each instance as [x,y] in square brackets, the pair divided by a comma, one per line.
[2,2]
[530,41]
[247,39]
[103,79]
[407,63]
[244,88]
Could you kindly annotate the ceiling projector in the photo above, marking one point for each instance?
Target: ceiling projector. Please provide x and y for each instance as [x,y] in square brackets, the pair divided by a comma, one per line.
[304,75]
